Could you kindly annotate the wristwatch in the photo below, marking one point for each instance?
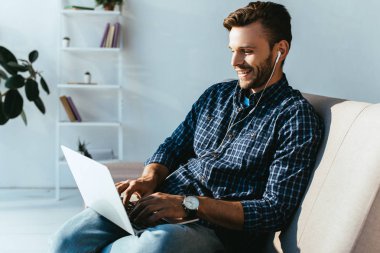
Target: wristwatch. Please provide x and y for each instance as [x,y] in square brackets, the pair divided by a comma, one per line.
[190,204]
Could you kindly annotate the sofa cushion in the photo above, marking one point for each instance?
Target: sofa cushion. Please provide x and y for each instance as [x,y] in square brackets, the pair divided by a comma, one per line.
[345,182]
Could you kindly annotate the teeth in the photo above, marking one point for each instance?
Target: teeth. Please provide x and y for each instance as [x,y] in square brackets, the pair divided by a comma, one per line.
[243,72]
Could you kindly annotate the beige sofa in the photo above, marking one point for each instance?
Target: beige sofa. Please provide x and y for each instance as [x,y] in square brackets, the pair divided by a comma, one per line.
[340,212]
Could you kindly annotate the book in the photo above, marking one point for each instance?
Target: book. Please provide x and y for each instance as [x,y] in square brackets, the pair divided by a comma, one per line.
[110,36]
[77,7]
[115,41]
[67,108]
[105,35]
[74,109]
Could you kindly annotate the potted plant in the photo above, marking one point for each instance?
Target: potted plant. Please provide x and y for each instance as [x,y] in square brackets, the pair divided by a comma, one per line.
[82,148]
[18,74]
[109,5]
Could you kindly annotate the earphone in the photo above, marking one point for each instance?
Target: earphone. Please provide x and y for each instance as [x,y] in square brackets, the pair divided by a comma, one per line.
[278,58]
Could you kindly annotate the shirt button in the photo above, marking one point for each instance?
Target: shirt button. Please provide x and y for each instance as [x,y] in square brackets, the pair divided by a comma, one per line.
[240,109]
[230,135]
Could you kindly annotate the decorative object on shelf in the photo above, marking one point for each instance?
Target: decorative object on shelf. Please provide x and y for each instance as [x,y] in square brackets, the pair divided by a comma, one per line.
[66,42]
[13,103]
[87,77]
[82,148]
[109,5]
[78,83]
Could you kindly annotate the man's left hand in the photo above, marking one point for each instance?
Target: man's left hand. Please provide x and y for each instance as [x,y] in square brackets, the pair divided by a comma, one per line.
[150,209]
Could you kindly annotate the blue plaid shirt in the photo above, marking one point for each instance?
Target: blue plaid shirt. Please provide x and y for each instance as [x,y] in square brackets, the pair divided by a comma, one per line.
[262,158]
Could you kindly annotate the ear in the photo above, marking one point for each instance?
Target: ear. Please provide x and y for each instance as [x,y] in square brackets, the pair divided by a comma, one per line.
[283,47]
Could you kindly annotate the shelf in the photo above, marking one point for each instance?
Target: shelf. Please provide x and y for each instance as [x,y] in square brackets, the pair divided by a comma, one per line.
[90,12]
[89,124]
[91,49]
[90,86]
[101,102]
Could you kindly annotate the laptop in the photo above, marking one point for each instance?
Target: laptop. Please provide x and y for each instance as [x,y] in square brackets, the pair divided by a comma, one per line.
[98,191]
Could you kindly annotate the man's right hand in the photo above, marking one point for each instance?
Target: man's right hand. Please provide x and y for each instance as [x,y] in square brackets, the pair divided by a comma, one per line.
[153,175]
[142,186]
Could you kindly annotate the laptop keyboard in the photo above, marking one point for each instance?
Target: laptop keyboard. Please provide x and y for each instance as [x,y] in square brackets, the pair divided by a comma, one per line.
[130,207]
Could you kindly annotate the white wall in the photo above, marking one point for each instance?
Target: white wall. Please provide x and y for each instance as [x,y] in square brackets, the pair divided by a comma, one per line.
[175,50]
[27,152]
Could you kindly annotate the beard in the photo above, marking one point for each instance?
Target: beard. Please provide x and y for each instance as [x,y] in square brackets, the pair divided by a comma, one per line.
[261,74]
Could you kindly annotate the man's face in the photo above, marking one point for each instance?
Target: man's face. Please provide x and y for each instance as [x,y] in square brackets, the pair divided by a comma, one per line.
[251,56]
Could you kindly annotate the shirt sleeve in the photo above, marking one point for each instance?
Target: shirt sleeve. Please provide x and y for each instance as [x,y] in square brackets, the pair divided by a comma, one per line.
[178,148]
[299,137]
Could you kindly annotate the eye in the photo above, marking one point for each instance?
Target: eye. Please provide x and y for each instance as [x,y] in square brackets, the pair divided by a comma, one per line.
[247,51]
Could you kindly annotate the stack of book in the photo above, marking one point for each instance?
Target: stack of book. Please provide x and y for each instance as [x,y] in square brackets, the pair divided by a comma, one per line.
[77,7]
[70,108]
[111,35]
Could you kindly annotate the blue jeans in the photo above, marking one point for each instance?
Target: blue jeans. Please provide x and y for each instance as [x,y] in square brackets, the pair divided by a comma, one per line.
[90,232]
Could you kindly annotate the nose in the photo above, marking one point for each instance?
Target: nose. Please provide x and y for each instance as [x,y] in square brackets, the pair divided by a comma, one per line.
[236,59]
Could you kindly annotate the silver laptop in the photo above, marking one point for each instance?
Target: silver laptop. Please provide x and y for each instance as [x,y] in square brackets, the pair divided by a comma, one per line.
[98,190]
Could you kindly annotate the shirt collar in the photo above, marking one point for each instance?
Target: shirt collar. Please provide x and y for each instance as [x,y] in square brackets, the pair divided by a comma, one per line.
[269,93]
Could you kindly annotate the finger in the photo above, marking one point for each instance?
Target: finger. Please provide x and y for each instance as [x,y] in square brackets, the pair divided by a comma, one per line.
[145,213]
[146,198]
[140,206]
[122,186]
[156,217]
[128,193]
[146,193]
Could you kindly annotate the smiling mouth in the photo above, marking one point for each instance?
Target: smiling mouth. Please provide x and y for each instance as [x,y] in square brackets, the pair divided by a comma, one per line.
[243,73]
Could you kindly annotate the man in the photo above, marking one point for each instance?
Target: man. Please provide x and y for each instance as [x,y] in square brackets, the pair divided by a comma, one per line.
[240,161]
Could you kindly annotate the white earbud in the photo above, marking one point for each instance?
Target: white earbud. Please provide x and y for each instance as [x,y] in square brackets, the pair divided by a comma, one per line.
[278,57]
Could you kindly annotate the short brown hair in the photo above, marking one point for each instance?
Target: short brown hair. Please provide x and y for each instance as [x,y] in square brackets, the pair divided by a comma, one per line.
[273,17]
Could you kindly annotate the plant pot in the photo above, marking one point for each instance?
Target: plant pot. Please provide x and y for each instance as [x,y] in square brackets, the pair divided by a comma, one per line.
[109,6]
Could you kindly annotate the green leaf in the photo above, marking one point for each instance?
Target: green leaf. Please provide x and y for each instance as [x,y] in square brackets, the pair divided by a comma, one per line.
[44,85]
[31,89]
[5,57]
[13,104]
[33,56]
[3,118]
[3,74]
[15,82]
[17,67]
[40,105]
[23,116]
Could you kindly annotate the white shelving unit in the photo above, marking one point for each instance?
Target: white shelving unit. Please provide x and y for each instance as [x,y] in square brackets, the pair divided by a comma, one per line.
[99,104]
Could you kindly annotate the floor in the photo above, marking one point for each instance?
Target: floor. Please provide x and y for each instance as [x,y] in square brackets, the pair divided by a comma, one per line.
[28,217]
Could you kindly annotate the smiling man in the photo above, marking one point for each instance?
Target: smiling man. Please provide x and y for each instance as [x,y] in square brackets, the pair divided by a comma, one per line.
[240,161]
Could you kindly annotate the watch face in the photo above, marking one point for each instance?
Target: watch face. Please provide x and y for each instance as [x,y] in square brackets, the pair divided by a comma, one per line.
[191,202]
